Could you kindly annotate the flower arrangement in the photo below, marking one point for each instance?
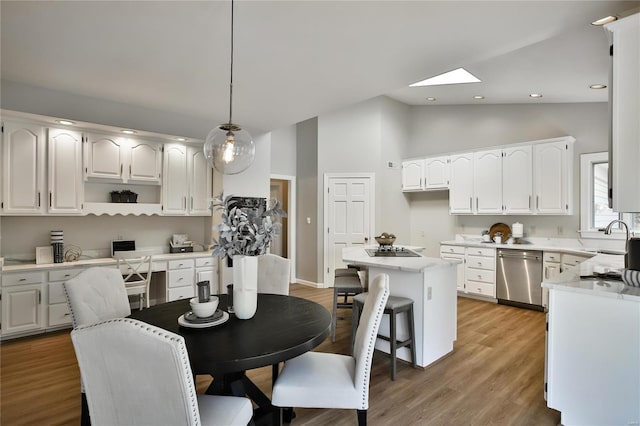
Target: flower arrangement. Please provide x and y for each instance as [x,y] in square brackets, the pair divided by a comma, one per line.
[245,231]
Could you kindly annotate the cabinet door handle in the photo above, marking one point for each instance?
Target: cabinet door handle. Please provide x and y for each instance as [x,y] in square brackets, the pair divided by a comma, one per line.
[38,198]
[470,203]
[50,199]
[22,279]
[121,167]
[529,201]
[184,200]
[537,201]
[191,202]
[546,272]
[477,203]
[129,170]
[39,297]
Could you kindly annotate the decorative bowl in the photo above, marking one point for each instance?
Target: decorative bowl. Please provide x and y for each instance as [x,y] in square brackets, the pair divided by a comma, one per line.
[385,240]
[206,309]
[631,277]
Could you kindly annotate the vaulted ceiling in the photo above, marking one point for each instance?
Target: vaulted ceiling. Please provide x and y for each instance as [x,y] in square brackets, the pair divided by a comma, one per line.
[298,59]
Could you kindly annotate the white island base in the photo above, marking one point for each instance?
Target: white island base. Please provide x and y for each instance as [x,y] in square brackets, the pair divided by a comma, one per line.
[431,284]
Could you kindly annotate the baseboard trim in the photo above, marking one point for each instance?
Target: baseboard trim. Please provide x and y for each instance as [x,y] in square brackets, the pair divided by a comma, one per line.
[308,283]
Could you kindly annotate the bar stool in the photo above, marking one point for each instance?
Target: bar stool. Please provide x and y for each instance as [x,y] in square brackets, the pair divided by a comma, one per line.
[346,284]
[395,305]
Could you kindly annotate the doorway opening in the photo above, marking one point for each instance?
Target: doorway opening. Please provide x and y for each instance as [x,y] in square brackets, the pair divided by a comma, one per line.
[283,189]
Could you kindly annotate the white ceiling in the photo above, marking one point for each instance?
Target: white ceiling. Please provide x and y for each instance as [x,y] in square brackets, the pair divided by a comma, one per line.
[298,59]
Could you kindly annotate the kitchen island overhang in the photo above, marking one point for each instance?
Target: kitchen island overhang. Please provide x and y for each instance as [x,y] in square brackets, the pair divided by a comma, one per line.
[431,284]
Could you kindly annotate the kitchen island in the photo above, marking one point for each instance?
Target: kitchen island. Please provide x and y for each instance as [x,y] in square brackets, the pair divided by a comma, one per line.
[593,345]
[431,284]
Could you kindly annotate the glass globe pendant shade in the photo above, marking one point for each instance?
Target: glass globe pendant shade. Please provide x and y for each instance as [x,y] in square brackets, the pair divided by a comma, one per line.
[229,149]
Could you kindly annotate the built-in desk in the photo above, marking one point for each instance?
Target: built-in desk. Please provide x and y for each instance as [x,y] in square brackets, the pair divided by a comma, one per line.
[33,299]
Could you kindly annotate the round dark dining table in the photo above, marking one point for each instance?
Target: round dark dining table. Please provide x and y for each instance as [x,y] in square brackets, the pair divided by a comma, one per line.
[282,328]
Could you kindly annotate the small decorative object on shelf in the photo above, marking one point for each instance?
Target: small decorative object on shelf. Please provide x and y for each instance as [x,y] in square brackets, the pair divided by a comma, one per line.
[246,231]
[125,196]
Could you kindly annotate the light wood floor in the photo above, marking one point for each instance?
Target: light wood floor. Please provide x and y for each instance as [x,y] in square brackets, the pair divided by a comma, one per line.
[494,376]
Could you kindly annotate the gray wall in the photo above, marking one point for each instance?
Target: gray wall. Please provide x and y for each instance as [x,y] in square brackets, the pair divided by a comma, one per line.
[308,255]
[441,129]
[283,151]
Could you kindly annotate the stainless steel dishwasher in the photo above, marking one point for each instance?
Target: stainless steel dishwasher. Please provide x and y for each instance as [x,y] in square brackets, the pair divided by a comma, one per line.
[519,278]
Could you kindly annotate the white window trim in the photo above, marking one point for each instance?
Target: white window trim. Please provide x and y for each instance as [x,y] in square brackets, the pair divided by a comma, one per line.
[586,206]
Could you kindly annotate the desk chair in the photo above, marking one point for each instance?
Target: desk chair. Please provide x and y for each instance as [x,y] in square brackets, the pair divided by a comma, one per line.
[138,374]
[324,380]
[274,274]
[95,295]
[137,277]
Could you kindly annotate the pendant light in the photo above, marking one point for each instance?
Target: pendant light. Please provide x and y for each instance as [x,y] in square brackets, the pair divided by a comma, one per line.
[229,148]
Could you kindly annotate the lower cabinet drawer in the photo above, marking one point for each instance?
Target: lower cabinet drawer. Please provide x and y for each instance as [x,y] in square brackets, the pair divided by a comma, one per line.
[19,278]
[480,262]
[482,275]
[59,315]
[181,278]
[480,288]
[56,293]
[181,293]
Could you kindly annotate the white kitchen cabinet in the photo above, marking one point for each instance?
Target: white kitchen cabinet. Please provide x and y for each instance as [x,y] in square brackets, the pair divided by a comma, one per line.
[207,270]
[200,182]
[456,254]
[413,175]
[22,308]
[65,172]
[122,159]
[553,176]
[436,172]
[480,271]
[187,181]
[23,168]
[487,172]
[592,358]
[59,314]
[551,266]
[461,183]
[180,279]
[175,180]
[624,92]
[571,260]
[517,180]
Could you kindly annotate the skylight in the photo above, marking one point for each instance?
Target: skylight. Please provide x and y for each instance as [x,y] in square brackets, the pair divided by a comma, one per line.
[457,76]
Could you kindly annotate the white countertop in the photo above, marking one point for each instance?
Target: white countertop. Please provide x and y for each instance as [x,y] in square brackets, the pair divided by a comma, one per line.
[551,245]
[105,261]
[573,279]
[358,255]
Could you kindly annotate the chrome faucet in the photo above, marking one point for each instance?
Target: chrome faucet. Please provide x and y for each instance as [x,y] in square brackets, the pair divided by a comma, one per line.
[607,231]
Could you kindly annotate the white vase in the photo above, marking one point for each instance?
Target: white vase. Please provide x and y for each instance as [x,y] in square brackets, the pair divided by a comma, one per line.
[245,286]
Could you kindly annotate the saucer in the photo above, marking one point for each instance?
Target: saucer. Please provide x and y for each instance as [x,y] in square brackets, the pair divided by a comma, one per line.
[183,322]
[192,318]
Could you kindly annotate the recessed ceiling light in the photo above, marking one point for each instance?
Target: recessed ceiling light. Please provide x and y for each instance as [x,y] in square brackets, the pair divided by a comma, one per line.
[128,132]
[605,20]
[431,99]
[598,86]
[457,76]
[535,95]
[181,139]
[65,122]
[478,97]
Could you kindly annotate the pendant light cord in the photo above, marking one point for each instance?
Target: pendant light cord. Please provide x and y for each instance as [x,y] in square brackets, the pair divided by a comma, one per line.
[231,73]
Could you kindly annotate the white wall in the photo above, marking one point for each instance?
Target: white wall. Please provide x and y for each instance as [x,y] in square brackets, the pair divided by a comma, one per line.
[21,235]
[441,129]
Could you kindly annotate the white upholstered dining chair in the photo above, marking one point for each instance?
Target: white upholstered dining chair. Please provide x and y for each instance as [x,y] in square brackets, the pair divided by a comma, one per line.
[94,295]
[137,277]
[139,374]
[325,380]
[274,274]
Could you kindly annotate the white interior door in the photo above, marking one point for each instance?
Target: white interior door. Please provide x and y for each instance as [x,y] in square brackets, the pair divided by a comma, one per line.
[349,217]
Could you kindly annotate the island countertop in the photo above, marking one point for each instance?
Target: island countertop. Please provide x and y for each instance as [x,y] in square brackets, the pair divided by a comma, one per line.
[580,279]
[358,255]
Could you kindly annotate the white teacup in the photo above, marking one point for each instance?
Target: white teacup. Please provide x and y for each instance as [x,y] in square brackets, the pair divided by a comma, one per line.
[205,309]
